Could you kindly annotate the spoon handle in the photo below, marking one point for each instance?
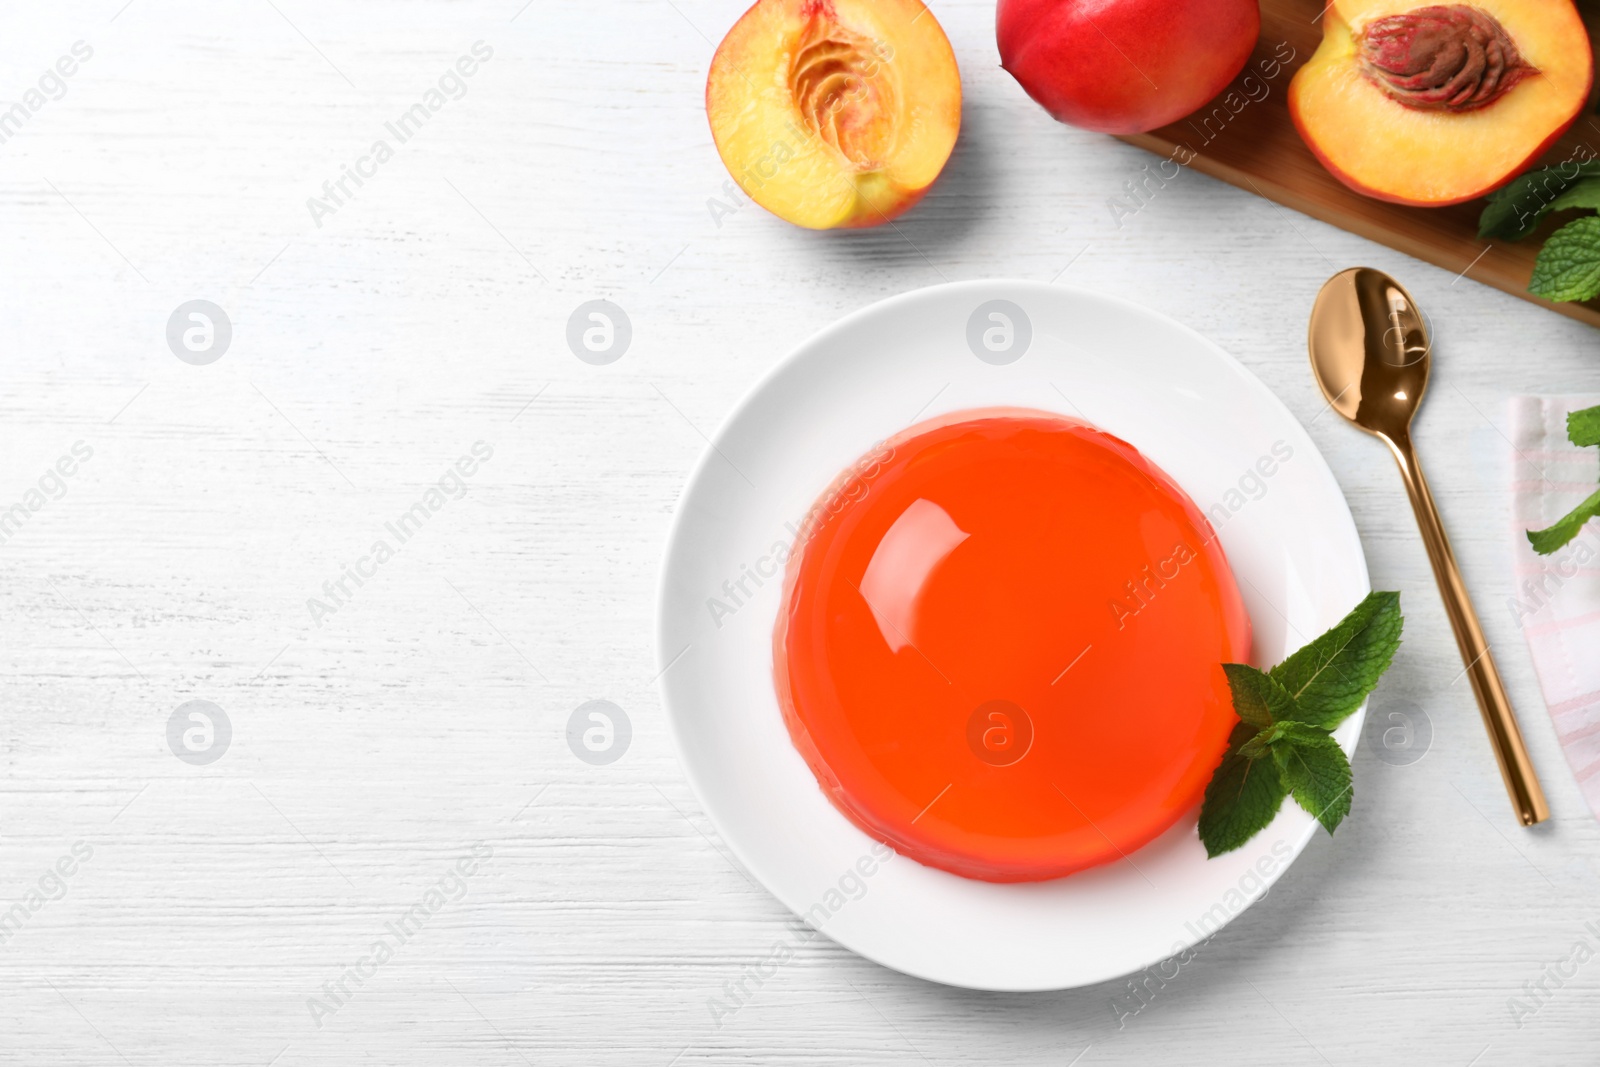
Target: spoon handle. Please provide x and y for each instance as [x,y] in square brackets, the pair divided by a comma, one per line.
[1522,783]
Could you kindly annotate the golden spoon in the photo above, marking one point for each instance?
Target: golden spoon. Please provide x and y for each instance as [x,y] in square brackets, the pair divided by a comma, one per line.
[1370,351]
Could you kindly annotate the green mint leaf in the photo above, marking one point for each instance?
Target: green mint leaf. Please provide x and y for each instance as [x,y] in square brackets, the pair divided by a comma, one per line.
[1583,427]
[1257,698]
[1243,797]
[1516,210]
[1568,266]
[1261,743]
[1330,677]
[1316,772]
[1561,534]
[1257,746]
[1294,733]
[1584,193]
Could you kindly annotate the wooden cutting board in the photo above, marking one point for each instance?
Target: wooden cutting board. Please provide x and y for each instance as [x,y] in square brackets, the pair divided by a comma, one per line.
[1255,147]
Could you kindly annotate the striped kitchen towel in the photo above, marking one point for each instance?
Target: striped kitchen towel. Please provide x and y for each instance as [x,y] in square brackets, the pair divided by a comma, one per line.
[1557,602]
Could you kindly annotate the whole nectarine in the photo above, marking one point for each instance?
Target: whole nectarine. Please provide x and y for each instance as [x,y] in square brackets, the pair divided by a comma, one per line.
[1439,103]
[1125,66]
[835,112]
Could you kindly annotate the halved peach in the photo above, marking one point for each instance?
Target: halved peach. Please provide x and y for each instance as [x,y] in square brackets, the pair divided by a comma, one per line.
[835,112]
[1437,104]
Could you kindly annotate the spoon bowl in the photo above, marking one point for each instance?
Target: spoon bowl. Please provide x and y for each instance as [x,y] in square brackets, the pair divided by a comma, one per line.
[1370,350]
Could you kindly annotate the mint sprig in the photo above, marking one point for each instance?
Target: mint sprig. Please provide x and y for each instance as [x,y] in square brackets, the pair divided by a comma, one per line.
[1568,265]
[1583,430]
[1554,538]
[1283,745]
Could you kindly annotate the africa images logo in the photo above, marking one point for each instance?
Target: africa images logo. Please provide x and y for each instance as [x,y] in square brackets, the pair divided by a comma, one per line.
[336,192]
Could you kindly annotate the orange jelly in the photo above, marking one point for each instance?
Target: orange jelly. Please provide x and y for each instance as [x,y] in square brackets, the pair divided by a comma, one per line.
[1000,644]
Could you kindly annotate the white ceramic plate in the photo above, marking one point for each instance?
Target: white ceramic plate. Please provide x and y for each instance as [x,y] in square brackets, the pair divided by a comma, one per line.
[1179,399]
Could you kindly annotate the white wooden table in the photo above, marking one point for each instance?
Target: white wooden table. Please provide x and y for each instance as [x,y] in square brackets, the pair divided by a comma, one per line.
[375,341]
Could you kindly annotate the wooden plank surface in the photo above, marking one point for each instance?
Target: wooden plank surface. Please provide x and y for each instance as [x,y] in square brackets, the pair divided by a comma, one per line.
[1257,148]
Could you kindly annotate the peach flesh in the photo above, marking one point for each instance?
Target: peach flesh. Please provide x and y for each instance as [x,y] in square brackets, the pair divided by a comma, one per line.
[835,113]
[1431,104]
